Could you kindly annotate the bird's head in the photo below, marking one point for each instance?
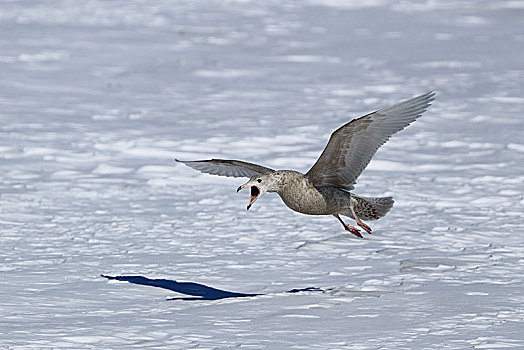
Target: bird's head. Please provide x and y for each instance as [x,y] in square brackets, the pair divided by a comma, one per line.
[260,184]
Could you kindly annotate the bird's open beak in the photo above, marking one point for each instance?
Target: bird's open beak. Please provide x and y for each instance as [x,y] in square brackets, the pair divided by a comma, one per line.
[255,193]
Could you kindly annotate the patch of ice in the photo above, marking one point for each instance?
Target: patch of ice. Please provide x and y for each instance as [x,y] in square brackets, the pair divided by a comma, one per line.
[156,169]
[161,182]
[106,169]
[249,241]
[388,165]
[443,36]
[477,293]
[22,175]
[291,162]
[382,89]
[210,201]
[482,145]
[516,147]
[65,174]
[104,117]
[349,4]
[490,201]
[448,64]
[150,152]
[497,179]
[42,56]
[472,21]
[300,316]
[507,192]
[39,151]
[503,99]
[308,59]
[347,92]
[226,73]
[453,144]
[498,345]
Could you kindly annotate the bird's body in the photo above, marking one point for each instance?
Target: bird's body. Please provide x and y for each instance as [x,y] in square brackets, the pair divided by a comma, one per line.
[324,189]
[300,195]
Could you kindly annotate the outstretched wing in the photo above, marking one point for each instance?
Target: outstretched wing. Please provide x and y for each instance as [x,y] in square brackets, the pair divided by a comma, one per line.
[352,146]
[225,167]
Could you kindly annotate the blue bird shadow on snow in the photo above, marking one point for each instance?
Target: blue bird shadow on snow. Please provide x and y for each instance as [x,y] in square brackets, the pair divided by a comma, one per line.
[197,290]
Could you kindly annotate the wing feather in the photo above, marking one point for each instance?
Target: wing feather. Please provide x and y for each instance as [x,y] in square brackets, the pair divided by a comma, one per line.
[351,147]
[225,167]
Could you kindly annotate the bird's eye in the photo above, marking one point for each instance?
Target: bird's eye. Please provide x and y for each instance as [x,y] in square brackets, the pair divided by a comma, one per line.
[259,180]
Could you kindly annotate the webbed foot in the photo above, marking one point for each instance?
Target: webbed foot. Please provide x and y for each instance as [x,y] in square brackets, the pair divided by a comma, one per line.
[364,226]
[353,230]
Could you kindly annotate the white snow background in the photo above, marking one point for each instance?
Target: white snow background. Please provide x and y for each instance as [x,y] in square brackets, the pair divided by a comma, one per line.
[97,98]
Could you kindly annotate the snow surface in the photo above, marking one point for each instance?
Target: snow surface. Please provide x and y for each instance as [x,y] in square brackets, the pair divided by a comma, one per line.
[98,98]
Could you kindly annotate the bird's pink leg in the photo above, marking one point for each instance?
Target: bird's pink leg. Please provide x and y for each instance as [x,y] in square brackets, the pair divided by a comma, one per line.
[351,229]
[359,222]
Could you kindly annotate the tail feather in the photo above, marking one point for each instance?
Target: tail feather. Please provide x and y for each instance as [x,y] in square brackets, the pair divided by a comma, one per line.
[372,208]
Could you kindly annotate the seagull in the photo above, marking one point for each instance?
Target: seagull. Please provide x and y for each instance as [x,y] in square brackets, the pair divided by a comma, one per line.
[324,189]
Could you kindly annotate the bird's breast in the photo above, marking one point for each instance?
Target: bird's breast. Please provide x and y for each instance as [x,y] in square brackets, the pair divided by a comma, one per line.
[299,195]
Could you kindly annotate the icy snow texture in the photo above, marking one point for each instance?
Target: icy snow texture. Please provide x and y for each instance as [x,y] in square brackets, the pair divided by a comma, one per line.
[98,97]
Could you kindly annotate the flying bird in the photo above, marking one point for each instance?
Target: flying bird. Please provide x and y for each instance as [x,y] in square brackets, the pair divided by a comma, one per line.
[324,189]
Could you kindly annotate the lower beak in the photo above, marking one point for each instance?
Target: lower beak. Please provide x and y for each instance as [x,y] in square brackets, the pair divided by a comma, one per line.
[255,193]
[251,201]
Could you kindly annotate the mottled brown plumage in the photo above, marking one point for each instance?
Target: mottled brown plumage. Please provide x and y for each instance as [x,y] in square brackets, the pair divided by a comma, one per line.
[323,190]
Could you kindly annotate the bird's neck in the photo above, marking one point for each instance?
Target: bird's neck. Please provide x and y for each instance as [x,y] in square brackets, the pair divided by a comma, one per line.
[287,179]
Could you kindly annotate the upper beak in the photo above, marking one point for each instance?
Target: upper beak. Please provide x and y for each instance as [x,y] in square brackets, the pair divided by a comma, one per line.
[241,187]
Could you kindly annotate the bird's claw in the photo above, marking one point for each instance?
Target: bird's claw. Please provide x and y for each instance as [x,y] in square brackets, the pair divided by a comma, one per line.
[365,227]
[353,230]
